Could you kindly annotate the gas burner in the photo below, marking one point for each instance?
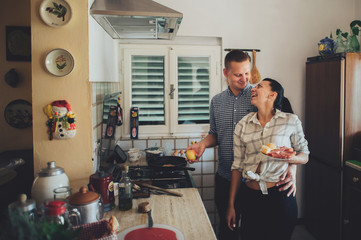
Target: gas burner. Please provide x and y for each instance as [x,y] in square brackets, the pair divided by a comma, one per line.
[168,179]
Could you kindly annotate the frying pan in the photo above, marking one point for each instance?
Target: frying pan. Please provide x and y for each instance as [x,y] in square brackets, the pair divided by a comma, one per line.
[170,163]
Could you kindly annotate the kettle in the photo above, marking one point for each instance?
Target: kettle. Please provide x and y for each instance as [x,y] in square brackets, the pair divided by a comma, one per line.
[47,180]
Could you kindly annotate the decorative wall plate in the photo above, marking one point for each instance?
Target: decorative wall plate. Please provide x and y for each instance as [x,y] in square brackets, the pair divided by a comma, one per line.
[59,62]
[18,114]
[55,13]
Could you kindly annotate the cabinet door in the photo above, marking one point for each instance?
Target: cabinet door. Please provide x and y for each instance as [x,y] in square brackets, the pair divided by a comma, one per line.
[352,204]
[352,214]
[324,110]
[323,187]
[352,103]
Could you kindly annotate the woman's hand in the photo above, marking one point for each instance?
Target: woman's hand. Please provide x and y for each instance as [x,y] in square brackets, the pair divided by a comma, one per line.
[289,179]
[231,218]
[299,158]
[199,149]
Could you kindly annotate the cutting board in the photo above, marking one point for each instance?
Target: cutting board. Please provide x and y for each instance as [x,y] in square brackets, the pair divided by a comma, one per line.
[255,75]
[142,232]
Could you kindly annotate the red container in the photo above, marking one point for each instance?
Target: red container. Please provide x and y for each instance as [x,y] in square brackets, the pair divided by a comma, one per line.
[102,183]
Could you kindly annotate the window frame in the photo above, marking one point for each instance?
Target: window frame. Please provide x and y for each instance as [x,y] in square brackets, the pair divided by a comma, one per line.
[171,54]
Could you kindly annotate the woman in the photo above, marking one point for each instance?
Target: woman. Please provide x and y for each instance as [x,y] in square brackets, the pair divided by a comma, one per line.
[267,213]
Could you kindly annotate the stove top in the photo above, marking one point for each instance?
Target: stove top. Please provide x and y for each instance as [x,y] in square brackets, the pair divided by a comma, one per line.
[163,178]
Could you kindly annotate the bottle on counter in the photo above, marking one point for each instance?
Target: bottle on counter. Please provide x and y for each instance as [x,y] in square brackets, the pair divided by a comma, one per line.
[125,193]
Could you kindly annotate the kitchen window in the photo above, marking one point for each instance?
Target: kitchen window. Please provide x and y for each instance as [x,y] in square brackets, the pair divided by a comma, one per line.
[172,87]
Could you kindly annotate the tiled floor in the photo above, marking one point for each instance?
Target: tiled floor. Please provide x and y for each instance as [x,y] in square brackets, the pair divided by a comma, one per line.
[301,233]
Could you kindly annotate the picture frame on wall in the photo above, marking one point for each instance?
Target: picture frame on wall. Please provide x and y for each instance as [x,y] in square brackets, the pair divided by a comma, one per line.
[18,43]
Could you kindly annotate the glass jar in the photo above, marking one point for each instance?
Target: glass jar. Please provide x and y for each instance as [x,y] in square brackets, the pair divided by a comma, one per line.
[56,212]
[62,192]
[25,207]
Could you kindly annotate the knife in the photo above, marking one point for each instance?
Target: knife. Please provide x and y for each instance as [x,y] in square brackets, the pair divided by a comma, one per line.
[150,219]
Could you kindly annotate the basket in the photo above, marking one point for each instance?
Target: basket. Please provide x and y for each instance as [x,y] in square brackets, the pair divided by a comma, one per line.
[95,231]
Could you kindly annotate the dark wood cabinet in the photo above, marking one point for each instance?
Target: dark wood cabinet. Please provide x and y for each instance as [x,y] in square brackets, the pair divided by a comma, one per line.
[333,118]
[352,203]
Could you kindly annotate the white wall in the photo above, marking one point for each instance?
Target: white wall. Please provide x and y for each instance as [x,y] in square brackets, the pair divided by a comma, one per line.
[286,32]
[103,56]
[358,9]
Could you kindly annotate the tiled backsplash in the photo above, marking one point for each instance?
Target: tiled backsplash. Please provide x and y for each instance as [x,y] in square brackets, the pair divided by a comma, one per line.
[99,91]
[205,169]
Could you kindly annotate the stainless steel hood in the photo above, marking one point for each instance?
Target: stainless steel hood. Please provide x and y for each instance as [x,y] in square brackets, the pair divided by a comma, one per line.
[143,19]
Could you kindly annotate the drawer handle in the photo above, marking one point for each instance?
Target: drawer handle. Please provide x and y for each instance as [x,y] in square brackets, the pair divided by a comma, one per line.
[355,179]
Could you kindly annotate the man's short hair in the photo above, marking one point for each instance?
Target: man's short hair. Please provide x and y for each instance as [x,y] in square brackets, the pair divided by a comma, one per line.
[236,56]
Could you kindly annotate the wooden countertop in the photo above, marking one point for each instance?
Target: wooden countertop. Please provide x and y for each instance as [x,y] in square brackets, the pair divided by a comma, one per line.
[186,213]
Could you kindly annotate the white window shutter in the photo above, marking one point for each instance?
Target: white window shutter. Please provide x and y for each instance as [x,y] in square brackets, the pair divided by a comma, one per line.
[148,89]
[193,90]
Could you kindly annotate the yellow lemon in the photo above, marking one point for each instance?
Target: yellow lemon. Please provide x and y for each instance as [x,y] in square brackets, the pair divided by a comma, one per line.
[191,155]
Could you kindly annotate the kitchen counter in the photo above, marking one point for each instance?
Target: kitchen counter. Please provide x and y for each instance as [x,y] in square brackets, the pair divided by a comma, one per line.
[186,213]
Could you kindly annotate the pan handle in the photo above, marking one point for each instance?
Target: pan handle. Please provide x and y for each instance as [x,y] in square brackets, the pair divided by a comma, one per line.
[176,168]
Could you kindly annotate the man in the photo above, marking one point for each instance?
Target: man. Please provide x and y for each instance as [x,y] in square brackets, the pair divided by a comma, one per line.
[226,110]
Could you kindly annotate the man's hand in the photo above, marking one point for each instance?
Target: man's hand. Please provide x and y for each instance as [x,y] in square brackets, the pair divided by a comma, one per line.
[289,179]
[199,149]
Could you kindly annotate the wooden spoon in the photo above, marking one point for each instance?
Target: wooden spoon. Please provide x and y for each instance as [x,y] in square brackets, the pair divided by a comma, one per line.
[255,75]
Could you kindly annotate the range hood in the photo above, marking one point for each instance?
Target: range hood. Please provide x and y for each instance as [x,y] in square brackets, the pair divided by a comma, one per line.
[144,19]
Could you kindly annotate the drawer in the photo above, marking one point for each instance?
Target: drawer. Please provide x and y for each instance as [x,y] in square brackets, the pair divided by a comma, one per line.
[353,177]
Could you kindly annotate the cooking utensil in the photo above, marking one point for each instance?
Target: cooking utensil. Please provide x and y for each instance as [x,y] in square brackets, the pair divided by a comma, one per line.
[255,75]
[160,189]
[170,163]
[144,207]
[150,219]
[88,203]
[154,152]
